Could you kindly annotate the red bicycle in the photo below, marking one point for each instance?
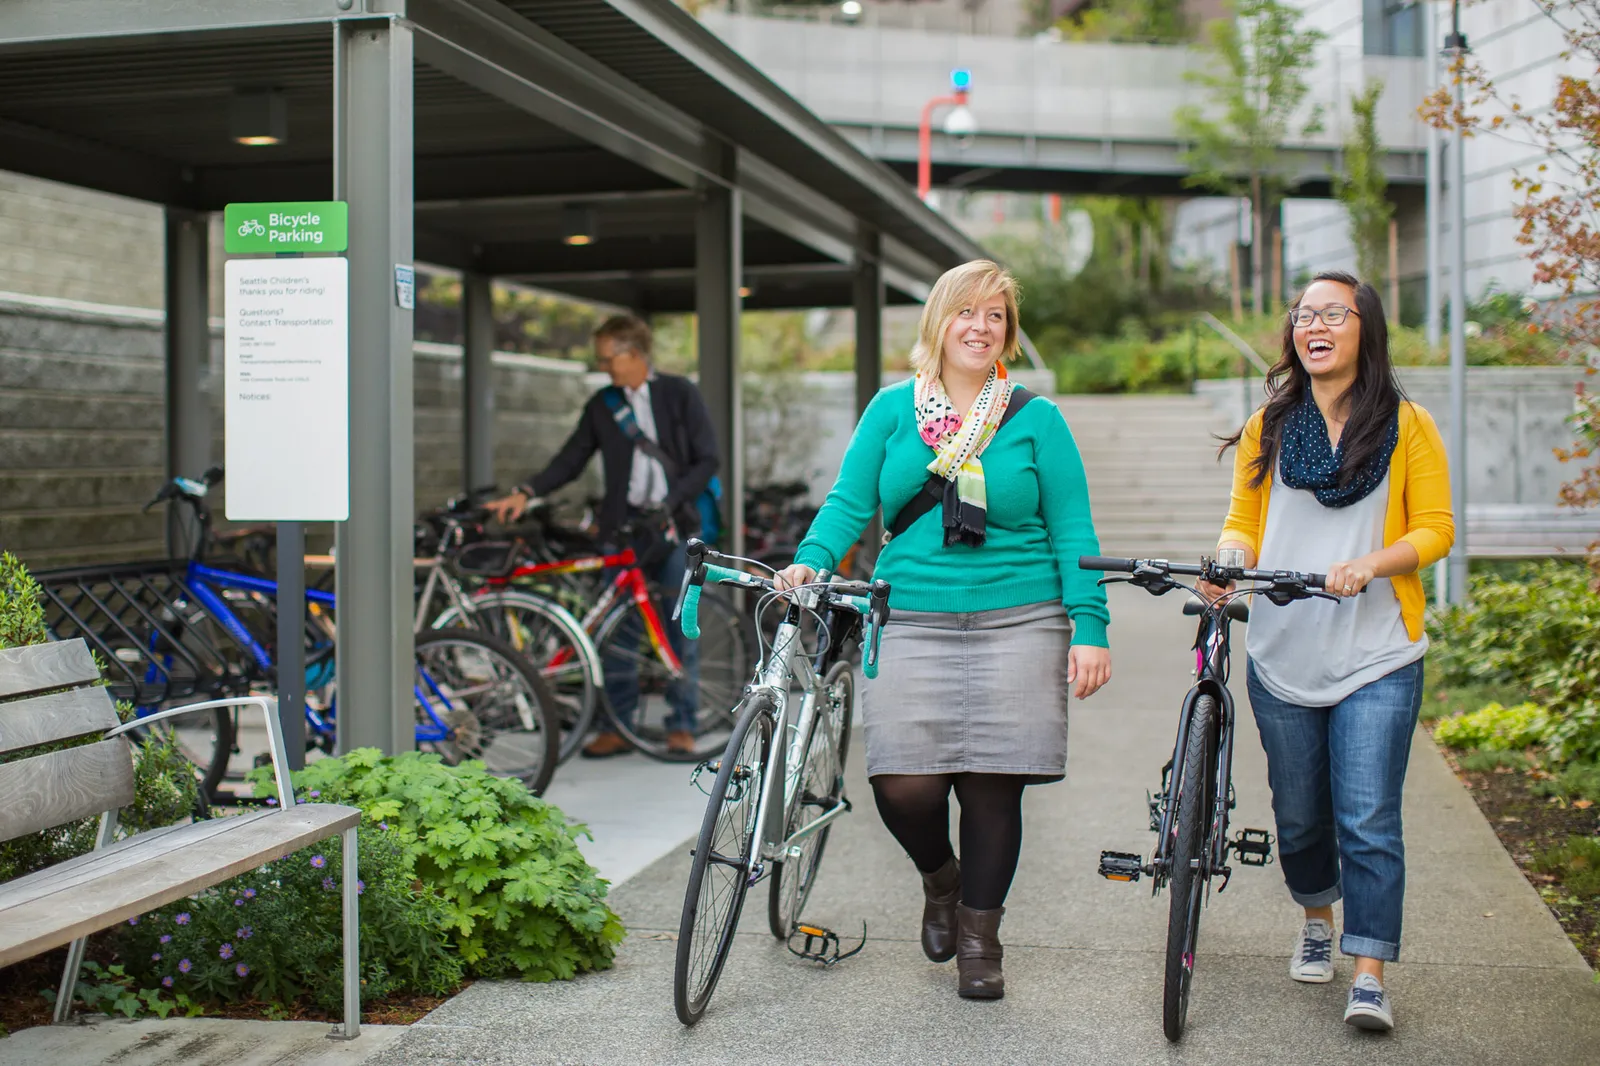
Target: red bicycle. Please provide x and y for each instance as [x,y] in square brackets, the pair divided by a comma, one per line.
[630,633]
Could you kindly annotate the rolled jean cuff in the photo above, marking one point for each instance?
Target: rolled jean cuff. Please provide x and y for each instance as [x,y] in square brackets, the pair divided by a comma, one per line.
[1368,948]
[1326,898]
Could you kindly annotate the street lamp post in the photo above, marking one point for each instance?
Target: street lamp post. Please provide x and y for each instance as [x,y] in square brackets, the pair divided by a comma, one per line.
[1455,46]
[959,122]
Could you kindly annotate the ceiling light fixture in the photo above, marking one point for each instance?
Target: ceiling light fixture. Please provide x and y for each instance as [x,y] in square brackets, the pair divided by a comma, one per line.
[578,225]
[259,117]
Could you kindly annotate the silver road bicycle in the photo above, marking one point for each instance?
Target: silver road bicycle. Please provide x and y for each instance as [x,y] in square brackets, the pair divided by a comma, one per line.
[772,804]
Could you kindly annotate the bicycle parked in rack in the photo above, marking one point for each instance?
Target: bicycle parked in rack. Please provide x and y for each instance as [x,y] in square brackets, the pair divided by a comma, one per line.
[779,785]
[1189,814]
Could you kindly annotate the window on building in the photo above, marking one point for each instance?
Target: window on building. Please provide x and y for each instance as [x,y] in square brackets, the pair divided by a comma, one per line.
[1392,27]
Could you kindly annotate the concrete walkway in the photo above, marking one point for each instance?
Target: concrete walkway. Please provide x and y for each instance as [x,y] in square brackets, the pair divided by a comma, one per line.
[1487,975]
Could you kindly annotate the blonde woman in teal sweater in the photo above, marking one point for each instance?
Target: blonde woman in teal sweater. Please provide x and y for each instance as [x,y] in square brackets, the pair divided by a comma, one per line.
[993,623]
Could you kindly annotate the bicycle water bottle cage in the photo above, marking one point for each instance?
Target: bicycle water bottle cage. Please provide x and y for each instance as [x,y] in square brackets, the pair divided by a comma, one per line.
[822,945]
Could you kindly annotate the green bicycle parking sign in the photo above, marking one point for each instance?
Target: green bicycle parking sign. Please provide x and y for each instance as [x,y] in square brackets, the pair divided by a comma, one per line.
[297,226]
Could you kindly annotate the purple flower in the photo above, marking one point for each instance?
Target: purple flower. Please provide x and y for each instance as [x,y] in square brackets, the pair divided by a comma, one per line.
[249,893]
[226,951]
[166,982]
[166,938]
[244,933]
[384,826]
[156,957]
[315,793]
[327,884]
[271,802]
[242,970]
[318,862]
[184,965]
[238,903]
[133,921]
[182,919]
[361,886]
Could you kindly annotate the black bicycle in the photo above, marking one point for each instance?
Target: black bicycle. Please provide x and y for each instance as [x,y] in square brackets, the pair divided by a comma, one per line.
[1190,812]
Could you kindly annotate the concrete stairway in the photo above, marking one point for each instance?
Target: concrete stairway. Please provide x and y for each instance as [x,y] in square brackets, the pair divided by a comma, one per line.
[1157,488]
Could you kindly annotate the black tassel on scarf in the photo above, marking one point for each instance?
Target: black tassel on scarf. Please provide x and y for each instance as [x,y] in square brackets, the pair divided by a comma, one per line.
[964,523]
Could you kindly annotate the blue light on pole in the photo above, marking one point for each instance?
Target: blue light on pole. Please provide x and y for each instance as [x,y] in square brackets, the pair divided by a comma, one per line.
[961,80]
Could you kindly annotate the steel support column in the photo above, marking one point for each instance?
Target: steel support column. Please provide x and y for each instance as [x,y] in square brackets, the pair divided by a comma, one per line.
[188,345]
[477,381]
[373,163]
[719,259]
[868,299]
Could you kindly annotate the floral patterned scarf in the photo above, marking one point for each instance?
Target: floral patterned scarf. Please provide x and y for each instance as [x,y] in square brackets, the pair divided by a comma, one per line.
[958,441]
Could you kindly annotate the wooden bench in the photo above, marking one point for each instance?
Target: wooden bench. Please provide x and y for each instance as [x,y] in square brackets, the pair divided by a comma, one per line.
[50,693]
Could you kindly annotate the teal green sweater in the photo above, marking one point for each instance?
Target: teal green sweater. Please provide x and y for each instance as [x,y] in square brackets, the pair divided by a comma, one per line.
[1038,518]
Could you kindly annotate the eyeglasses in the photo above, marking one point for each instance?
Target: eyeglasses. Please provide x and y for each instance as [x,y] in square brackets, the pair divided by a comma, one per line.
[1332,315]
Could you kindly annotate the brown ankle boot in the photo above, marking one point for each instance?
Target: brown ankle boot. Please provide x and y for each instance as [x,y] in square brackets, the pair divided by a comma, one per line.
[940,891]
[978,953]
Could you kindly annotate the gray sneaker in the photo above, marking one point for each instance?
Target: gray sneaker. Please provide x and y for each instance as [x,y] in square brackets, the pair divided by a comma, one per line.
[1312,961]
[1369,1005]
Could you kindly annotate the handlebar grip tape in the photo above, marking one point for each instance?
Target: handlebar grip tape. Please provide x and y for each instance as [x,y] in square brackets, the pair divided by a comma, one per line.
[690,619]
[1101,562]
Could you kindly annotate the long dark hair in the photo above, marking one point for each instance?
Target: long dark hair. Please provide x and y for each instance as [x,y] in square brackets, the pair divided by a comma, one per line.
[1371,400]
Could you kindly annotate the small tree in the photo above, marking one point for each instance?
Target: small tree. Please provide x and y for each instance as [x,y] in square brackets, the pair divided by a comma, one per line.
[1363,189]
[1560,209]
[1256,86]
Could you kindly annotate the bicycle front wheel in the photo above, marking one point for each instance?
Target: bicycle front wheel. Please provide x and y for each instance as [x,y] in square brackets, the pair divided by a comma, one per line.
[1186,886]
[724,855]
[554,641]
[821,790]
[476,698]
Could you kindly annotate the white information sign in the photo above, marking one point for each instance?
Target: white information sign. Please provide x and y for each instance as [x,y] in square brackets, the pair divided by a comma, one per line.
[287,350]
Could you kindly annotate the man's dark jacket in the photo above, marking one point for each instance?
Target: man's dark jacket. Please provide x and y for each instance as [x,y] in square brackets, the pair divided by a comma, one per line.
[683,428]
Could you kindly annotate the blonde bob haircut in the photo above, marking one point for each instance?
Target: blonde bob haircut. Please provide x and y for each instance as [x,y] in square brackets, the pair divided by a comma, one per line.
[961,287]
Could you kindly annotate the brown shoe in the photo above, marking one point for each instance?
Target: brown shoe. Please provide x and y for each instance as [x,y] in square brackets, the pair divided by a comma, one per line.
[940,892]
[606,745]
[978,953]
[680,742]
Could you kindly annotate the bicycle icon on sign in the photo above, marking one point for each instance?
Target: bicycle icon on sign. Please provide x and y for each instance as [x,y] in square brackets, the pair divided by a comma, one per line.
[252,228]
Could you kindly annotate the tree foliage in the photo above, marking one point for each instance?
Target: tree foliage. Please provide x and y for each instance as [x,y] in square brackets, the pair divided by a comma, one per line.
[1560,208]
[1128,20]
[1363,188]
[1255,87]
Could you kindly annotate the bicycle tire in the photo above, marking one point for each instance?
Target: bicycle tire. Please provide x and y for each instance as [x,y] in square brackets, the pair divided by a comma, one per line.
[541,628]
[724,672]
[821,787]
[706,929]
[1186,887]
[485,668]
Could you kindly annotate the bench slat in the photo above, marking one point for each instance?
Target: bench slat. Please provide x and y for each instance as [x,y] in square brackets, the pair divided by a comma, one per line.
[42,667]
[147,845]
[143,883]
[57,716]
[63,786]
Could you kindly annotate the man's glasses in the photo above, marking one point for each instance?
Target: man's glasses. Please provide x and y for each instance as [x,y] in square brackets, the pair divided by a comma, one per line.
[1332,315]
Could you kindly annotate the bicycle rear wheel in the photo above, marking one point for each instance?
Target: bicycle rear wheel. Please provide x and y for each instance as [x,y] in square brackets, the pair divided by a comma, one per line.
[625,645]
[719,877]
[554,641]
[1186,886]
[491,701]
[821,789]
[205,740]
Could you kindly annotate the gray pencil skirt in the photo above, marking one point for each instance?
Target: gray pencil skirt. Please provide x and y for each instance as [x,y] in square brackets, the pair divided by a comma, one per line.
[981,692]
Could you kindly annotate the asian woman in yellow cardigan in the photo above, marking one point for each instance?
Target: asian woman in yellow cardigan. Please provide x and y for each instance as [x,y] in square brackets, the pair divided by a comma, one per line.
[1339,474]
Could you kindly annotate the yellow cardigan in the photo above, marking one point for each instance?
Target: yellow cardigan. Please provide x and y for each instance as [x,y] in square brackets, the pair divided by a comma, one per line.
[1419,502]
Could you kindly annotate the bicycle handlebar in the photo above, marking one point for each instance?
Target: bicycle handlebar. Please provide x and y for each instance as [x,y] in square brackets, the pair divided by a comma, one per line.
[870,601]
[1207,570]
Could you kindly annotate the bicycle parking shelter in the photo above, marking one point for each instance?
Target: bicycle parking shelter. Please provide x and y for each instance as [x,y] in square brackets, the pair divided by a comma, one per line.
[611,150]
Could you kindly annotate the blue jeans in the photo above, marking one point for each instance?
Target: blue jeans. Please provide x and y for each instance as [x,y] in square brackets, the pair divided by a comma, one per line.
[1336,775]
[622,671]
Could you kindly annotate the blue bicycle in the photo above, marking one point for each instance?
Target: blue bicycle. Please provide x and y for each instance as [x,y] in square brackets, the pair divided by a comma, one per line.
[178,629]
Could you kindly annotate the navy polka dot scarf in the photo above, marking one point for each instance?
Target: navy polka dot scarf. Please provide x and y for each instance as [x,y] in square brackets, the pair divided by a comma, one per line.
[1307,461]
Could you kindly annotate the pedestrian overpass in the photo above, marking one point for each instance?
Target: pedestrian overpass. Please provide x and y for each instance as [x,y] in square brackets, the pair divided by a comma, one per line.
[1053,116]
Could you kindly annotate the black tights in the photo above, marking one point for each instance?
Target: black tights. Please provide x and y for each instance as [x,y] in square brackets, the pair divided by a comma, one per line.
[916,808]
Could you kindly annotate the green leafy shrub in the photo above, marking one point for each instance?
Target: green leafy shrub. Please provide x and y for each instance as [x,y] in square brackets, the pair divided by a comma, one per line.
[1488,760]
[21,613]
[1535,631]
[520,900]
[1575,781]
[1576,863]
[274,933]
[1495,728]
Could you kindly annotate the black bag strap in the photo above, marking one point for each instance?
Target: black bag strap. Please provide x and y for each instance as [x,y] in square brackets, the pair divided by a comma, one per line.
[615,401]
[931,494]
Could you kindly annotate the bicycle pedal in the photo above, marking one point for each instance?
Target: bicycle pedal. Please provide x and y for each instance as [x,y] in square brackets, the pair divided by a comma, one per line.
[1253,847]
[1120,866]
[822,945]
